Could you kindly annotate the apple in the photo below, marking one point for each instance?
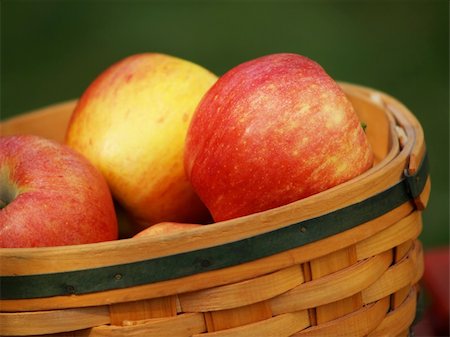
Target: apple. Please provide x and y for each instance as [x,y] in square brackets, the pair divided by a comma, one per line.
[167,227]
[131,123]
[271,131]
[51,196]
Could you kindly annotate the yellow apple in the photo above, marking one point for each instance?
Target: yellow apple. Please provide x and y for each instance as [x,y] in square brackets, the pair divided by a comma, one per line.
[131,123]
[163,228]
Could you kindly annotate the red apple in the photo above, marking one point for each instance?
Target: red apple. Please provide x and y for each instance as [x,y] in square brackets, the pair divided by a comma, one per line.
[51,196]
[131,123]
[271,131]
[163,228]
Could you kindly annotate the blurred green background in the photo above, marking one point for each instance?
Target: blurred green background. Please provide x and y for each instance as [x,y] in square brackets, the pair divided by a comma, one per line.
[52,50]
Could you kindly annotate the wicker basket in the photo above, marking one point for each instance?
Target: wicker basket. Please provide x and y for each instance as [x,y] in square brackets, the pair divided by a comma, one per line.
[345,262]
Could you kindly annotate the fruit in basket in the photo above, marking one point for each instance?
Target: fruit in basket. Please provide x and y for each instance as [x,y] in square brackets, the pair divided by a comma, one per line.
[51,196]
[271,131]
[131,123]
[168,227]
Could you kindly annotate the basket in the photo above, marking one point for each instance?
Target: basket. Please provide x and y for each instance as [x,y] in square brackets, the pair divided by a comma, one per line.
[344,262]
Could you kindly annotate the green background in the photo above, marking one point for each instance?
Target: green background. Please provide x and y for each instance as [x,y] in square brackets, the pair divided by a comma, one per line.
[52,50]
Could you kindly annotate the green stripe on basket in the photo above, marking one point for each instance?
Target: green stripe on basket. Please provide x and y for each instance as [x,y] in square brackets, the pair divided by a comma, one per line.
[217,257]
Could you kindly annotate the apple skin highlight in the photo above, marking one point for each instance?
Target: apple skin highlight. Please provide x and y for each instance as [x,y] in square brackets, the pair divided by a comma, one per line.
[272,131]
[56,197]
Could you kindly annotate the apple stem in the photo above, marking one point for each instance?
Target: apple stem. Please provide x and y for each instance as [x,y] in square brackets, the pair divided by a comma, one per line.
[8,189]
[364,126]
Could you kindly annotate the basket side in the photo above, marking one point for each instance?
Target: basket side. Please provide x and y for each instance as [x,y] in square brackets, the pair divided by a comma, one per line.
[291,301]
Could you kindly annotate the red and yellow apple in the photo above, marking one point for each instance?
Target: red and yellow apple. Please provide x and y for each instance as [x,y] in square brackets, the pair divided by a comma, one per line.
[131,123]
[271,131]
[164,228]
[51,196]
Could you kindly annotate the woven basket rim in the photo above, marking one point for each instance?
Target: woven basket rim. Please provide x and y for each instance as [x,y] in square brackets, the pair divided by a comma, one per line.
[270,220]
